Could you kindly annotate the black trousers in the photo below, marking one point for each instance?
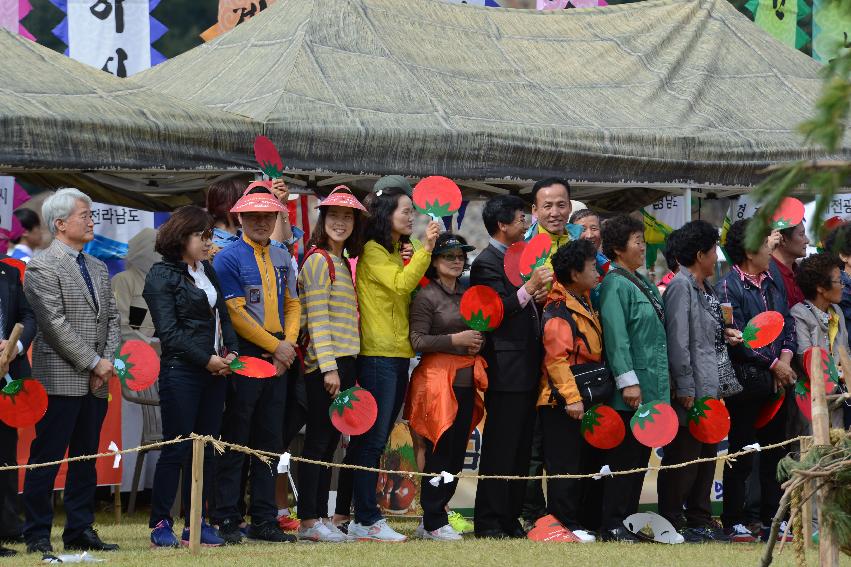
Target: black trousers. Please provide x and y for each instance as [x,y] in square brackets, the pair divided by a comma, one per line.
[72,423]
[11,525]
[254,414]
[534,503]
[448,455]
[566,452]
[689,487]
[742,432]
[622,493]
[506,450]
[320,441]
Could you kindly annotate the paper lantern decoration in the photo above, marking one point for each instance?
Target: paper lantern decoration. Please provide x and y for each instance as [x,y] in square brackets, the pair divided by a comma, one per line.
[789,213]
[253,367]
[763,329]
[770,409]
[353,411]
[137,365]
[709,420]
[268,158]
[22,403]
[17,264]
[481,308]
[602,427]
[535,255]
[511,263]
[654,424]
[437,197]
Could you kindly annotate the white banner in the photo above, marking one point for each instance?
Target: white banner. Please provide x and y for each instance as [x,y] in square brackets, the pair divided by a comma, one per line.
[670,210]
[112,35]
[114,227]
[7,201]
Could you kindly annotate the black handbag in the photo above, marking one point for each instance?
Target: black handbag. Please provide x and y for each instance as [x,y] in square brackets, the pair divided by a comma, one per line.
[593,380]
[757,382]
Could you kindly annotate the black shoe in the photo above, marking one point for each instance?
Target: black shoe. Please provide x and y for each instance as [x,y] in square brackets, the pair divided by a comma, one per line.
[692,535]
[269,531]
[40,546]
[6,552]
[230,532]
[516,531]
[495,533]
[620,534]
[89,541]
[708,534]
[13,539]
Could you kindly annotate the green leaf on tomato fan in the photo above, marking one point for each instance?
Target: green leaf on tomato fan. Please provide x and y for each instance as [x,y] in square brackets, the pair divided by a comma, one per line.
[789,213]
[535,255]
[770,409]
[763,329]
[481,308]
[137,365]
[654,424]
[353,411]
[267,157]
[828,367]
[602,427]
[511,263]
[437,196]
[708,420]
[22,403]
[253,367]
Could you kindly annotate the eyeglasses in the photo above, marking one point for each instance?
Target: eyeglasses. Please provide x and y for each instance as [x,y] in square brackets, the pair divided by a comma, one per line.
[453,257]
[836,282]
[204,234]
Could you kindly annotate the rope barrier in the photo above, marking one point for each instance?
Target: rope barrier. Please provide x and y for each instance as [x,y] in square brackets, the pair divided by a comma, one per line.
[220,446]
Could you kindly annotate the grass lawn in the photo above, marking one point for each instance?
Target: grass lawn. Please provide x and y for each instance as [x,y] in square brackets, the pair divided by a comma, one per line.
[132,536]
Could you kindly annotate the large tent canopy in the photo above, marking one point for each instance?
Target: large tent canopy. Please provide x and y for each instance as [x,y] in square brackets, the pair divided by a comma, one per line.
[65,123]
[664,93]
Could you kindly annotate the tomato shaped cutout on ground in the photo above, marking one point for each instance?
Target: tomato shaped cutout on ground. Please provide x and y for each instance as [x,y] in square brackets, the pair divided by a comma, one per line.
[437,197]
[602,427]
[267,157]
[481,308]
[22,403]
[709,420]
[17,264]
[770,409]
[654,424]
[253,367]
[137,365]
[789,213]
[511,263]
[763,329]
[353,411]
[534,255]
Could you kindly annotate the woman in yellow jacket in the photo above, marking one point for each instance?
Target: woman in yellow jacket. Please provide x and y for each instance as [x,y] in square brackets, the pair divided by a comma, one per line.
[384,286]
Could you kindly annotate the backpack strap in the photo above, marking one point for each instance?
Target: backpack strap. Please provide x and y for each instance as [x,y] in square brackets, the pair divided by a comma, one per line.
[626,274]
[314,250]
[559,309]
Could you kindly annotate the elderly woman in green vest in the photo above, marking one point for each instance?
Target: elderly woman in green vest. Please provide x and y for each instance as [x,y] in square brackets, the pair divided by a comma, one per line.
[632,315]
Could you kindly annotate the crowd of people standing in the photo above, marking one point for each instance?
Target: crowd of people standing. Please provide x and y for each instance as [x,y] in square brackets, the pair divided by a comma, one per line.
[228,284]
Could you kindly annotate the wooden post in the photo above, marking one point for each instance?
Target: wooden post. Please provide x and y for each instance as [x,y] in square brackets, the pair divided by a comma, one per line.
[807,507]
[197,496]
[828,552]
[117,504]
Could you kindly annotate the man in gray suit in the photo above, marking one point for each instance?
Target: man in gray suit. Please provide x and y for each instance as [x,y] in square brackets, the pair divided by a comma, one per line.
[79,330]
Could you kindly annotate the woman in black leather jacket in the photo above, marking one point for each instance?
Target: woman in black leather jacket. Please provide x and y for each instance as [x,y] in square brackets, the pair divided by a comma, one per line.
[198,344]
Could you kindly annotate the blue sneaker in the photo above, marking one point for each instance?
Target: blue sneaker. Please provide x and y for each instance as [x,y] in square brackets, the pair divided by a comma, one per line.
[209,536]
[163,536]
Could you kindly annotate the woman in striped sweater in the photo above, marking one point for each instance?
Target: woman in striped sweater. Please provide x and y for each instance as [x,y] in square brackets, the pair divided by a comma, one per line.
[329,322]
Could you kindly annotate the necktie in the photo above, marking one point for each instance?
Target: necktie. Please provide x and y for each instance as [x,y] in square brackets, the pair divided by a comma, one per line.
[84,270]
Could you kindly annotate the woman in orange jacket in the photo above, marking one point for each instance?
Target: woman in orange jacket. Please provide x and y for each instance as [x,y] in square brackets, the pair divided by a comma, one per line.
[442,404]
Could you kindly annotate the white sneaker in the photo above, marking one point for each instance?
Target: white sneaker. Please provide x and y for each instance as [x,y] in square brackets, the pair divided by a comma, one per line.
[379,531]
[334,529]
[584,537]
[445,533]
[320,532]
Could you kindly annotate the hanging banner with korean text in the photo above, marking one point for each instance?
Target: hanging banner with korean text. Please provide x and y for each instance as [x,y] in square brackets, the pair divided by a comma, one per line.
[114,227]
[232,13]
[112,35]
[831,29]
[781,19]
[12,13]
[660,219]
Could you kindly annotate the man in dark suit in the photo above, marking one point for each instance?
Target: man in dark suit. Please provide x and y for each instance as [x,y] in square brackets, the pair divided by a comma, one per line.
[513,353]
[14,309]
[79,330]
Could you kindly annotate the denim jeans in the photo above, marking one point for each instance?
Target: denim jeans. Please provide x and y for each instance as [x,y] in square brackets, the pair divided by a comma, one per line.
[386,378]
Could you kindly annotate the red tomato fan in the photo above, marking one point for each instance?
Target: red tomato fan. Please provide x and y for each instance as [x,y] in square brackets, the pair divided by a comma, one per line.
[22,403]
[654,424]
[602,427]
[268,158]
[353,411]
[789,213]
[709,420]
[535,255]
[253,367]
[763,329]
[437,197]
[803,392]
[770,409]
[481,308]
[137,365]
[511,263]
